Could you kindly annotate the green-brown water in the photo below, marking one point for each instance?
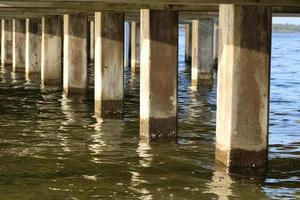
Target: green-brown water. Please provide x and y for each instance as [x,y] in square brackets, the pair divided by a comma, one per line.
[53,147]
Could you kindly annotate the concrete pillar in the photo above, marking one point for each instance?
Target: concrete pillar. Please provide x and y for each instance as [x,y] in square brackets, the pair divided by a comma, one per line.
[75,53]
[19,44]
[188,43]
[216,43]
[158,76]
[243,86]
[202,52]
[51,62]
[127,44]
[135,46]
[33,48]
[6,42]
[92,41]
[109,63]
[188,39]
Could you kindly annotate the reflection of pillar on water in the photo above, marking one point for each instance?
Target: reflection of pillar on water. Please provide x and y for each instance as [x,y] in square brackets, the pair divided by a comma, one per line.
[145,161]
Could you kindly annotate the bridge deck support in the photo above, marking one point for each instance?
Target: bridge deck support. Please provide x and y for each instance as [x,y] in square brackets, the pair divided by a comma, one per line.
[51,68]
[135,47]
[216,44]
[188,43]
[109,63]
[158,92]
[75,54]
[92,41]
[6,42]
[19,45]
[243,86]
[202,52]
[33,48]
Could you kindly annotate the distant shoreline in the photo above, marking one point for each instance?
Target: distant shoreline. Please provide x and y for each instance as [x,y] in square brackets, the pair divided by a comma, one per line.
[286,28]
[276,28]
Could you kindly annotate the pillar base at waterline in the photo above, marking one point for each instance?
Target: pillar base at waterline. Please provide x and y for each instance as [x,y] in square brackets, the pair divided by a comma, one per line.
[158,128]
[245,161]
[204,80]
[109,108]
[74,91]
[33,76]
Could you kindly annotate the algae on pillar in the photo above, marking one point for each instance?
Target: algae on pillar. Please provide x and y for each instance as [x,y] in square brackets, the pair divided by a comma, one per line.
[51,68]
[6,42]
[158,88]
[19,44]
[109,63]
[33,48]
[202,52]
[243,86]
[135,47]
[75,53]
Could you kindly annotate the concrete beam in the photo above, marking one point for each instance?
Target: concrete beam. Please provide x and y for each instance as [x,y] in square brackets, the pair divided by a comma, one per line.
[166,3]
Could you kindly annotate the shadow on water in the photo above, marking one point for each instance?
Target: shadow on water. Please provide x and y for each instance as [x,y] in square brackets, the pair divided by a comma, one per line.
[54,147]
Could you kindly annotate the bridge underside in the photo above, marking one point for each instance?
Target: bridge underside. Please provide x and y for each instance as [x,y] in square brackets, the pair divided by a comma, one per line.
[189,9]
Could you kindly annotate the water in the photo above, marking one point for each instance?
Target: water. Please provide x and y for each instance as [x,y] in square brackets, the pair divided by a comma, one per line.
[53,147]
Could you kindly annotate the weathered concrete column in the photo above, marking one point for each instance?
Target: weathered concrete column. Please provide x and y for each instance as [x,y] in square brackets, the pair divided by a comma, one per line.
[188,43]
[202,52]
[51,67]
[6,42]
[19,44]
[75,53]
[243,86]
[109,63]
[92,41]
[127,42]
[158,92]
[33,48]
[216,43]
[135,46]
